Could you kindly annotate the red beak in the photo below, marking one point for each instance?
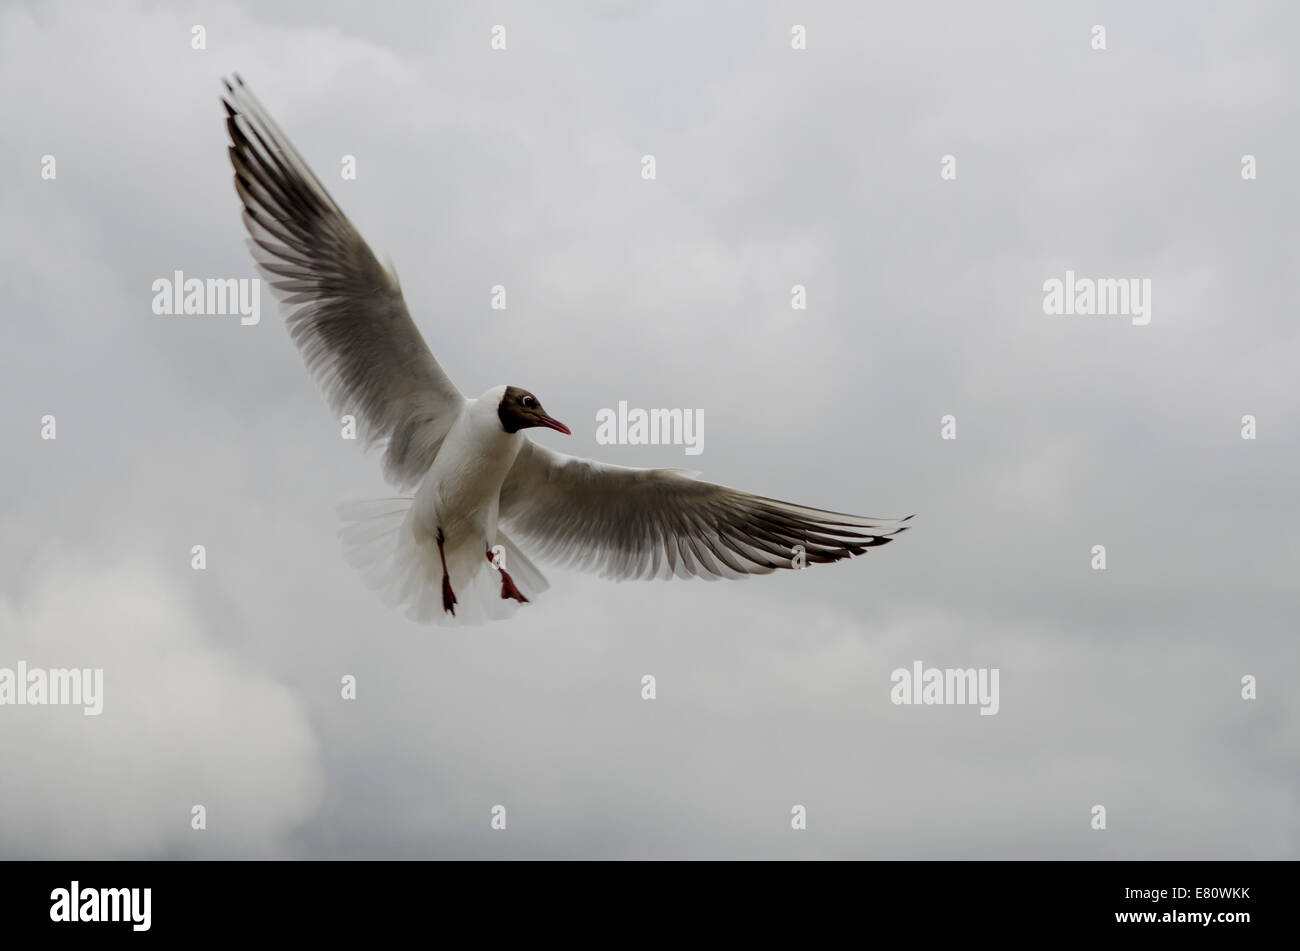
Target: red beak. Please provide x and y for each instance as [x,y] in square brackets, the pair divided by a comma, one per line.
[554,424]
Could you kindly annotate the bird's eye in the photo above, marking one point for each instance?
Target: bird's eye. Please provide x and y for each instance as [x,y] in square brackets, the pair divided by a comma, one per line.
[527,401]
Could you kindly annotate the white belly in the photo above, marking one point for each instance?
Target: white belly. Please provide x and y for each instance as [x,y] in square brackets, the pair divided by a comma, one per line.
[462,490]
[397,545]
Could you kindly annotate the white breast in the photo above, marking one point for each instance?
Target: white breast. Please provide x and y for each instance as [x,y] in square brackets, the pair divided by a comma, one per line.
[461,492]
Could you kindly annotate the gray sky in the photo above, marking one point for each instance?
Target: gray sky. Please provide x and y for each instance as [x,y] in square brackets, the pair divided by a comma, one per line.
[775,167]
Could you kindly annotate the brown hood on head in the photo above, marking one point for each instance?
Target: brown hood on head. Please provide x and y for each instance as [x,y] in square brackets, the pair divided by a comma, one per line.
[519,409]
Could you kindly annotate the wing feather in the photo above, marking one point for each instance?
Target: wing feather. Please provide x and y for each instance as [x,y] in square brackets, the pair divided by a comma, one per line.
[656,523]
[344,310]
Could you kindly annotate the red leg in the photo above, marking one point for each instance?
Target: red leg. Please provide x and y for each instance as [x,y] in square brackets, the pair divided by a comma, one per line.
[508,589]
[448,596]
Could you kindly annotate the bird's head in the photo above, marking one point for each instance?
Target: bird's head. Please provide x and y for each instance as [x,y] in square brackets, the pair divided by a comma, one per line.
[519,409]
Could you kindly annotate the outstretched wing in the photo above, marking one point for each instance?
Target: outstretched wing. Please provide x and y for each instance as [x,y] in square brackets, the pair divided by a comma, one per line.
[343,308]
[655,523]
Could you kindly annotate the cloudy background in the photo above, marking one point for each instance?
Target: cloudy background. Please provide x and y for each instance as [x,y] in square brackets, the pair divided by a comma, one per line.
[775,168]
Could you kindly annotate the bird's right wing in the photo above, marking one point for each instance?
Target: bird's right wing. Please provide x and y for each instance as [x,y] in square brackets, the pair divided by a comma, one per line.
[656,523]
[344,310]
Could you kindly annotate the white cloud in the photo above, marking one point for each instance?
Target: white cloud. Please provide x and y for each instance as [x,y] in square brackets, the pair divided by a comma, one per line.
[183,723]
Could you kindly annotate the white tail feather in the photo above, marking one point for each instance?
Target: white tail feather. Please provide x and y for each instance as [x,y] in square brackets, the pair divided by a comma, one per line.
[402,564]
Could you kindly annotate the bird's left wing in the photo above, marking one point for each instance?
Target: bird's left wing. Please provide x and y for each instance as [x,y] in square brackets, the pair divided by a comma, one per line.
[344,310]
[630,523]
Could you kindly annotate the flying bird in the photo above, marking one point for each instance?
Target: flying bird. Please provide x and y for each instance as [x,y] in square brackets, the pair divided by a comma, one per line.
[486,498]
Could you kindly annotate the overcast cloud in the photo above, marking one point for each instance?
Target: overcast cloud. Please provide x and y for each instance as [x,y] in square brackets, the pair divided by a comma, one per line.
[775,167]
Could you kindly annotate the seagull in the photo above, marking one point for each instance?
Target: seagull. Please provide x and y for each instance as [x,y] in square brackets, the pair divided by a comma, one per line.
[483,492]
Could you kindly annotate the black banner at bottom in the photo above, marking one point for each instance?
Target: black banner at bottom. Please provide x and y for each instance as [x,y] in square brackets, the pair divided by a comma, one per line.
[298,900]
